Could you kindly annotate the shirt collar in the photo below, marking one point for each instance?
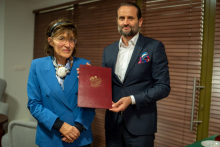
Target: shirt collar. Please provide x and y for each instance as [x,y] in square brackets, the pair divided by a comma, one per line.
[133,41]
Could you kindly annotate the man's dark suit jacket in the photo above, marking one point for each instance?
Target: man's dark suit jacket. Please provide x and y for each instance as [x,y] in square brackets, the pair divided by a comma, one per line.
[148,82]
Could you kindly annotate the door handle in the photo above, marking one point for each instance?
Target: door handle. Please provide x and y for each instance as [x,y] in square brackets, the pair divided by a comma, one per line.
[193,103]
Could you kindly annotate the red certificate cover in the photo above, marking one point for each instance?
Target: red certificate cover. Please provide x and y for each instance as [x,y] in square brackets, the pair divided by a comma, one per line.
[95,87]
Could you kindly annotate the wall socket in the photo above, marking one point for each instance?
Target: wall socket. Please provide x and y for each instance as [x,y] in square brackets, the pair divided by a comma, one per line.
[19,67]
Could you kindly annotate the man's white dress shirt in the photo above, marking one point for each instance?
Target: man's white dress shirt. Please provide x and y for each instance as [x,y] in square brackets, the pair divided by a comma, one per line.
[123,59]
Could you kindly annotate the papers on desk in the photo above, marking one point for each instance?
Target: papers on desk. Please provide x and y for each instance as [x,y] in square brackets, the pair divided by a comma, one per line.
[210,143]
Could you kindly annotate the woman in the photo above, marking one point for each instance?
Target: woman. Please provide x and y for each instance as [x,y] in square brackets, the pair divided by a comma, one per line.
[52,91]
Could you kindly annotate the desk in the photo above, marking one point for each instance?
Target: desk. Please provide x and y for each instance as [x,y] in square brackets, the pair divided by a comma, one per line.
[3,119]
[198,144]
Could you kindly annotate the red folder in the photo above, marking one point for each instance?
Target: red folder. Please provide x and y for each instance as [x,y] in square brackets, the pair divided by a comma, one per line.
[95,87]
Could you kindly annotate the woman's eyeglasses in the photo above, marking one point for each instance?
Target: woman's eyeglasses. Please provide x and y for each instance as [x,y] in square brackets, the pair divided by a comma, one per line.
[64,40]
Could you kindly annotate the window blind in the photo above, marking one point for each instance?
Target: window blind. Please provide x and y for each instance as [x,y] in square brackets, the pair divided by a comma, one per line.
[179,25]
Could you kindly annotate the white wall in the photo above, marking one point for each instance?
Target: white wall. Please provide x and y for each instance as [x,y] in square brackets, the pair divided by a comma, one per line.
[2,17]
[16,51]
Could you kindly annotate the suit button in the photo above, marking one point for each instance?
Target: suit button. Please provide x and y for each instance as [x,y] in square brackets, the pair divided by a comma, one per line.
[123,87]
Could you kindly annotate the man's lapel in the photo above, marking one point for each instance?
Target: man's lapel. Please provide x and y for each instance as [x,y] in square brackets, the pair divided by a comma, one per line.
[114,59]
[137,50]
[114,55]
[49,76]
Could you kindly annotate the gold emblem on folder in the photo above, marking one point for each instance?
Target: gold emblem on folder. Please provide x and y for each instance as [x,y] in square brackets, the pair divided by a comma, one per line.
[95,81]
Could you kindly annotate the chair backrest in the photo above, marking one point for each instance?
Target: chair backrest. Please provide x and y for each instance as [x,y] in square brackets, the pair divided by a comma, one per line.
[3,85]
[4,108]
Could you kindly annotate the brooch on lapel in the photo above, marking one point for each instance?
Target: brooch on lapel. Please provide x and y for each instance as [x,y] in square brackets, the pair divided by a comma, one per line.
[144,58]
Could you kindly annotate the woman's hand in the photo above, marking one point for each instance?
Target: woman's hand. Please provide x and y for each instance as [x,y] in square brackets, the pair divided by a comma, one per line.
[69,132]
[78,69]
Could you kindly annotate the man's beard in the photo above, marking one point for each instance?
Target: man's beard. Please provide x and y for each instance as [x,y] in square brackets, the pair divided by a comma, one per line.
[132,32]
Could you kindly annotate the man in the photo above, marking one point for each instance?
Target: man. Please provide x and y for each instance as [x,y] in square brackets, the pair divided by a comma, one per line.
[140,77]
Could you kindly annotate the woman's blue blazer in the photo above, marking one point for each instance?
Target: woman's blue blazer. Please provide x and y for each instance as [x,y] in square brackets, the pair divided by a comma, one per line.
[47,101]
